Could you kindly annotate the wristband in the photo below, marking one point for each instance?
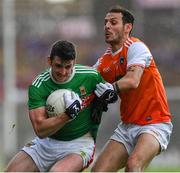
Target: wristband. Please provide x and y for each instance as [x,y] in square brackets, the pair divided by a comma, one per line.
[73,109]
[116,87]
[70,115]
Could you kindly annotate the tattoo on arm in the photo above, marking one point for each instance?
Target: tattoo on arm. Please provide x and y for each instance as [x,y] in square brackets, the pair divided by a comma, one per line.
[131,69]
[137,70]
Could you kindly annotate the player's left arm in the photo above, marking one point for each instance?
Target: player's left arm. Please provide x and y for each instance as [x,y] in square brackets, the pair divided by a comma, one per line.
[109,92]
[131,80]
[138,58]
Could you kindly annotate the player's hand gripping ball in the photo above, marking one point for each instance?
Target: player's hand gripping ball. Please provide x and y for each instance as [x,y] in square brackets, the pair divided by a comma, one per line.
[55,102]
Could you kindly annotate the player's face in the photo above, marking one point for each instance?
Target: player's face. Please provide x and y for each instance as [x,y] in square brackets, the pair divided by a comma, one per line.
[114,28]
[61,70]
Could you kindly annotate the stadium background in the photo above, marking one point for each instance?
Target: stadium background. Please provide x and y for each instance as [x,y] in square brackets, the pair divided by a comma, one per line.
[39,23]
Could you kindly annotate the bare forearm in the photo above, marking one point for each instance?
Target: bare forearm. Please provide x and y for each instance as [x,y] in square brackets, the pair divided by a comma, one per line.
[126,84]
[49,126]
[131,80]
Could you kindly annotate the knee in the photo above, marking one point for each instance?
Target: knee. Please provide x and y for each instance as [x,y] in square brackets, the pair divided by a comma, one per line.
[134,164]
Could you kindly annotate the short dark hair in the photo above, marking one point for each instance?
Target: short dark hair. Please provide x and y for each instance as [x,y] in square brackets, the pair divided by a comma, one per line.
[128,17]
[63,49]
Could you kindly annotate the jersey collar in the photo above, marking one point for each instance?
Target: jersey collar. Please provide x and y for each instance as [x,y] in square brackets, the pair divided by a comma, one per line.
[72,75]
[115,53]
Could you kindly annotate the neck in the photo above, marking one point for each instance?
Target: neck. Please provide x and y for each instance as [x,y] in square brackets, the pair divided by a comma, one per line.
[117,46]
[57,82]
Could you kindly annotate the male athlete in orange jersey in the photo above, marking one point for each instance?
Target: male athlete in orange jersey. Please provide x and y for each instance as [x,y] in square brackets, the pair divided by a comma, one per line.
[129,68]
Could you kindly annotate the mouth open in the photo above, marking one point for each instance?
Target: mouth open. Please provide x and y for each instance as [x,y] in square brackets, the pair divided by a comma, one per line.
[107,34]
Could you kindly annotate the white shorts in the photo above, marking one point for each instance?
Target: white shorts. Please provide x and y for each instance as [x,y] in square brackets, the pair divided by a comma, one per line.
[46,152]
[128,134]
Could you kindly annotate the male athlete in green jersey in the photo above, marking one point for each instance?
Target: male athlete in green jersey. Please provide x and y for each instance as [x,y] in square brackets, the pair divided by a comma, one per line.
[65,142]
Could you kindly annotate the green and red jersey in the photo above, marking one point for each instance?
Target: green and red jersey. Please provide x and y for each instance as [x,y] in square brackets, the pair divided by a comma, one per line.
[83,82]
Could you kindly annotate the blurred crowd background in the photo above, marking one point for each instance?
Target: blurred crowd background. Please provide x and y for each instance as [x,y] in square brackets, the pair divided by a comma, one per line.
[40,23]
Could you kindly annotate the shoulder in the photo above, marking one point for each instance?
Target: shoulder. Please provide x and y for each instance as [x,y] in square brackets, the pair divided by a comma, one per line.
[138,53]
[133,42]
[85,69]
[38,88]
[86,72]
[136,46]
[42,77]
[104,58]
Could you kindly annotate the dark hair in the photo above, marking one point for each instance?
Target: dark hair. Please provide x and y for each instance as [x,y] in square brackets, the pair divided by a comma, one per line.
[127,15]
[63,49]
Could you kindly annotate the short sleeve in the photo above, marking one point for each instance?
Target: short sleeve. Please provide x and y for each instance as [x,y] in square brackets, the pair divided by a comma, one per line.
[35,99]
[100,78]
[138,54]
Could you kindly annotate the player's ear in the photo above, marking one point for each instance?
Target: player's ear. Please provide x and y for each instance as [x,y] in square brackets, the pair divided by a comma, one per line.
[128,27]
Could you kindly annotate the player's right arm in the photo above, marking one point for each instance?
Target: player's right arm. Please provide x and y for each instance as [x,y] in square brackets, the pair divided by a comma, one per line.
[44,126]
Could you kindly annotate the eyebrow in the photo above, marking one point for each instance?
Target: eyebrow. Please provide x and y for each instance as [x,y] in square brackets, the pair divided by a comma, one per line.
[111,18]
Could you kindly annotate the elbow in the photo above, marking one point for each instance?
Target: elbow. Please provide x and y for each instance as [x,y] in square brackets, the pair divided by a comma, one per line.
[40,134]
